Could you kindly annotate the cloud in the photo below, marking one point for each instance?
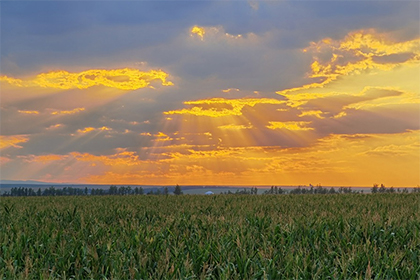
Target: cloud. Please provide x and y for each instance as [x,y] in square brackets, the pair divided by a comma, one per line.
[54,126]
[405,98]
[44,158]
[4,160]
[316,113]
[199,31]
[28,112]
[68,112]
[235,126]
[146,134]
[124,79]
[358,51]
[121,158]
[290,125]
[217,106]
[214,33]
[162,137]
[393,150]
[12,141]
[344,84]
[229,90]
[254,5]
[90,129]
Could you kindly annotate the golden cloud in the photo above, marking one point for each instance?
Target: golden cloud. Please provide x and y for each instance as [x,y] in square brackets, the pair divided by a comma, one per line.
[357,52]
[199,31]
[89,129]
[234,126]
[54,126]
[315,113]
[405,98]
[230,89]
[162,137]
[68,112]
[28,112]
[12,141]
[215,32]
[217,106]
[289,125]
[125,79]
[146,134]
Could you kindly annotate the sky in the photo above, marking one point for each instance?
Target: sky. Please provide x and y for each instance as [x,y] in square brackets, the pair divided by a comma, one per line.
[211,92]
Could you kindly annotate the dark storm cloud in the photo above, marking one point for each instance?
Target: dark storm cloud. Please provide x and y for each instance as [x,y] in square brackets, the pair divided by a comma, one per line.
[59,33]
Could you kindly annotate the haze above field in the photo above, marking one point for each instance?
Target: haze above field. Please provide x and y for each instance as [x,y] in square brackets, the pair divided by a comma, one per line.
[211,93]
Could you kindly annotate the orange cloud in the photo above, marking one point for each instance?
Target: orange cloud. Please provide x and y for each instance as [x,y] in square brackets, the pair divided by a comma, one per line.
[337,159]
[124,79]
[123,158]
[44,158]
[4,160]
[12,141]
[54,126]
[290,125]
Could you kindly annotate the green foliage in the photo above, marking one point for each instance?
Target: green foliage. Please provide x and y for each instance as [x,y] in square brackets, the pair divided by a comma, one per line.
[177,190]
[211,237]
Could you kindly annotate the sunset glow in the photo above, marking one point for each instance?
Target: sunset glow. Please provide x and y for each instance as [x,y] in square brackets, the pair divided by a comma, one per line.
[170,98]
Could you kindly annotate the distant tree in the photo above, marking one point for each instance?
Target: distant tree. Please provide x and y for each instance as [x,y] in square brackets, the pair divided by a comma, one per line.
[141,191]
[112,190]
[297,190]
[165,191]
[416,189]
[177,190]
[374,188]
[382,189]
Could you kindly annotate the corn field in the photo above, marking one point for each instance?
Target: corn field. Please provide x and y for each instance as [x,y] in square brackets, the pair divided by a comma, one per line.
[349,236]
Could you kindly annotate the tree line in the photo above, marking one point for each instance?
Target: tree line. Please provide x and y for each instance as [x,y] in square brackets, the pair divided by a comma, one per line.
[112,190]
[127,190]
